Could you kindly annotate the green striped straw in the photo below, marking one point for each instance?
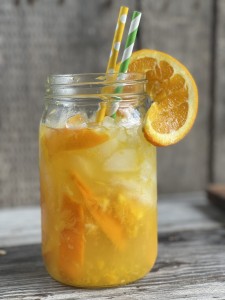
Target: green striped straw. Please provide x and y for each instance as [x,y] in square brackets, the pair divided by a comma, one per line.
[135,21]
[129,45]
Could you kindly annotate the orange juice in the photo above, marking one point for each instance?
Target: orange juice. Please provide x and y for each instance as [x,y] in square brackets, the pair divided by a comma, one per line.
[98,200]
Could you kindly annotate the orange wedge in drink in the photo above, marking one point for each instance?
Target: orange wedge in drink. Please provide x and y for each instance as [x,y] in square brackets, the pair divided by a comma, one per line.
[108,224]
[71,243]
[65,139]
[174,96]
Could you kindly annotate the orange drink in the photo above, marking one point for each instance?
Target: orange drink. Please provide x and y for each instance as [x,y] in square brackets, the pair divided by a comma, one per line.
[98,181]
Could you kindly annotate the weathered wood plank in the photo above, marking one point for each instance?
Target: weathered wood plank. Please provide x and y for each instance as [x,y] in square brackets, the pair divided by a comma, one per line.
[21,226]
[220,98]
[37,40]
[190,265]
[183,29]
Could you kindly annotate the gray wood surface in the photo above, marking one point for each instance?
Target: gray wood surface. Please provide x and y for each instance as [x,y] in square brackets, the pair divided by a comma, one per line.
[22,226]
[220,98]
[42,37]
[190,264]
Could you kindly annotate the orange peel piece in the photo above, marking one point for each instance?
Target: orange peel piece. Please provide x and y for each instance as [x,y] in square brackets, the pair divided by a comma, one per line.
[108,223]
[71,249]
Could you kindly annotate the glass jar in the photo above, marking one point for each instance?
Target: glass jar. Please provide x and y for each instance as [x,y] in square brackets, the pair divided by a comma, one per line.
[98,180]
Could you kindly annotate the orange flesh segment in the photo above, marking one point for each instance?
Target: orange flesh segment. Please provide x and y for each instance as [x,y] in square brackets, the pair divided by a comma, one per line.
[174,94]
[108,224]
[71,251]
[71,139]
[163,86]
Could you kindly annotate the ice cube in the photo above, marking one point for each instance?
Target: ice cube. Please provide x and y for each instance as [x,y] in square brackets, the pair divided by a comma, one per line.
[108,122]
[129,117]
[56,117]
[136,189]
[80,164]
[147,171]
[107,149]
[78,120]
[124,160]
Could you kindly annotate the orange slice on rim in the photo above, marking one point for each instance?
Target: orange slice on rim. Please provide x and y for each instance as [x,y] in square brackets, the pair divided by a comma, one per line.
[173,91]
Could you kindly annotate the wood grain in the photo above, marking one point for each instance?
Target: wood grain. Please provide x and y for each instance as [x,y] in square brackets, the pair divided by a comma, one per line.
[190,264]
[22,225]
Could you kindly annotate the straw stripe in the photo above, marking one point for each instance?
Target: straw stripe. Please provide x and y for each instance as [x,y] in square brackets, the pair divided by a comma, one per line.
[118,35]
[136,17]
[132,37]
[117,38]
[135,21]
[127,54]
[132,33]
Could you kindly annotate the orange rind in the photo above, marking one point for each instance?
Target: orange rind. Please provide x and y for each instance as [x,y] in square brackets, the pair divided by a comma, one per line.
[174,96]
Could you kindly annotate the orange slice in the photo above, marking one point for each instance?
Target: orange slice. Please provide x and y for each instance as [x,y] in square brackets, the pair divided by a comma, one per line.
[173,91]
[65,139]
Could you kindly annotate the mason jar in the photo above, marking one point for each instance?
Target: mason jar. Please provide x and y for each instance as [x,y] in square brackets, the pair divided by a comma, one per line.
[97,180]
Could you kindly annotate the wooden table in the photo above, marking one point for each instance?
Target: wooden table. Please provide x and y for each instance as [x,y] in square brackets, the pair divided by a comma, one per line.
[190,264]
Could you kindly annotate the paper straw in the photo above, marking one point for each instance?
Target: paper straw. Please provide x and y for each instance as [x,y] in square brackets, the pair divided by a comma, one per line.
[118,35]
[135,21]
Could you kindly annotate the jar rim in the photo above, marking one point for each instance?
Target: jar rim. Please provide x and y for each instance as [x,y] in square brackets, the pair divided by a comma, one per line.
[94,85]
[94,78]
